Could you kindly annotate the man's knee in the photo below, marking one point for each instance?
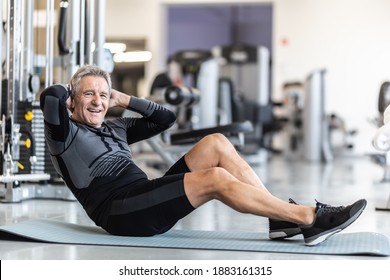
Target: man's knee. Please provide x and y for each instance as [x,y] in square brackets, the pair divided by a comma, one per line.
[216,140]
[205,185]
[218,137]
[218,178]
[216,173]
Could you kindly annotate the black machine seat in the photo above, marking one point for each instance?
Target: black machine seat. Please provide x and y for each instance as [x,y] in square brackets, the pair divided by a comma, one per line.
[230,130]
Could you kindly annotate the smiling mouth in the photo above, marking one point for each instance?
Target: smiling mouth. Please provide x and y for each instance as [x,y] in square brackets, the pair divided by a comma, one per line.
[95,111]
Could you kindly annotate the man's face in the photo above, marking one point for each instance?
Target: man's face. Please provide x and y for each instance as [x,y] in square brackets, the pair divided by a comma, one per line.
[91,102]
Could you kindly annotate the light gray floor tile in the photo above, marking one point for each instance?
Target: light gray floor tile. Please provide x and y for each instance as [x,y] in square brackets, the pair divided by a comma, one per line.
[341,182]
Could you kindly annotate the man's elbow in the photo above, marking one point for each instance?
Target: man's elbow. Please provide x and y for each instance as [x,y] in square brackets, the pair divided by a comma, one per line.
[172,119]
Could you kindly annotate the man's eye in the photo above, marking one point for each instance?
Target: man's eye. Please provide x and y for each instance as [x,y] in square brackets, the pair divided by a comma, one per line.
[104,96]
[88,93]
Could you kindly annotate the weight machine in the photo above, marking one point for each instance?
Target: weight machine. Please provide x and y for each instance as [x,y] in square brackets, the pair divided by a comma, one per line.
[382,158]
[245,94]
[26,171]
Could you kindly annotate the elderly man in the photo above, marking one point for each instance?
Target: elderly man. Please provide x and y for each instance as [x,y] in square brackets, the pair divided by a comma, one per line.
[93,157]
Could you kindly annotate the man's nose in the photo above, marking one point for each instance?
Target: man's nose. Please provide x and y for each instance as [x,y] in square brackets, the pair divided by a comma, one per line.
[96,100]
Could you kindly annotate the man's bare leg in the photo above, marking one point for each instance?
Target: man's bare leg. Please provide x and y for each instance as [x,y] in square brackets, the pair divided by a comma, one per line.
[218,172]
[215,150]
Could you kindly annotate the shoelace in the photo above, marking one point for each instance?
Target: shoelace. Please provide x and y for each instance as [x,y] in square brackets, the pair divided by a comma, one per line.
[290,200]
[328,208]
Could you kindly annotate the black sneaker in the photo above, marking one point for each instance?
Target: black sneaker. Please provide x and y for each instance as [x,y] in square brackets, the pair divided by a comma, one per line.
[282,229]
[330,220]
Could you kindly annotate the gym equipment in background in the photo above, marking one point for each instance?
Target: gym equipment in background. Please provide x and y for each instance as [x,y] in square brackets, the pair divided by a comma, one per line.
[172,144]
[310,132]
[316,146]
[26,171]
[234,85]
[244,94]
[383,158]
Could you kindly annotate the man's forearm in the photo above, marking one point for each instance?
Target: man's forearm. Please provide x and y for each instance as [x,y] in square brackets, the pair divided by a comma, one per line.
[119,99]
[124,100]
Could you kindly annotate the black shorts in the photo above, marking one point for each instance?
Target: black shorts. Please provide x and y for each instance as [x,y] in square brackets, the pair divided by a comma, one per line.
[151,207]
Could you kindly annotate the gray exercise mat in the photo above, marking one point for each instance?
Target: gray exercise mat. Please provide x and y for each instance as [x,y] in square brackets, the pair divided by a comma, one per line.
[360,243]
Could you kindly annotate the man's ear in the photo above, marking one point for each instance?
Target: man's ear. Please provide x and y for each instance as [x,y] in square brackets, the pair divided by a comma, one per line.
[71,104]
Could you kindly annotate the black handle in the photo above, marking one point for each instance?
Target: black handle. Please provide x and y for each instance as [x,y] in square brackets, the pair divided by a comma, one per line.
[62,28]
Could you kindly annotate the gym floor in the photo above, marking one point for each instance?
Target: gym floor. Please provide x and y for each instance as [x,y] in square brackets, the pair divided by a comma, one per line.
[342,182]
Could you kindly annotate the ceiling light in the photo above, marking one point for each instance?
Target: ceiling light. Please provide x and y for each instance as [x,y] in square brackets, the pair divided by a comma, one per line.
[115,47]
[133,56]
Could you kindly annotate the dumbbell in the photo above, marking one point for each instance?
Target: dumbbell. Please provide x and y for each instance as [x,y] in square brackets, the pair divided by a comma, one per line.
[183,96]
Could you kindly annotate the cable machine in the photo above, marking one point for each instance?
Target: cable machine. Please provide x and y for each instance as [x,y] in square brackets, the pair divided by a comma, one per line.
[26,171]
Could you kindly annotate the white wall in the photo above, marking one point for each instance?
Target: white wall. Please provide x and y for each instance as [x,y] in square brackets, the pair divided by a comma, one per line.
[350,38]
[347,37]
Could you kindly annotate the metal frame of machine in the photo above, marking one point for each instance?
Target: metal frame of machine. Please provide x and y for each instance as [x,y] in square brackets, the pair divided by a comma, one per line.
[26,170]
